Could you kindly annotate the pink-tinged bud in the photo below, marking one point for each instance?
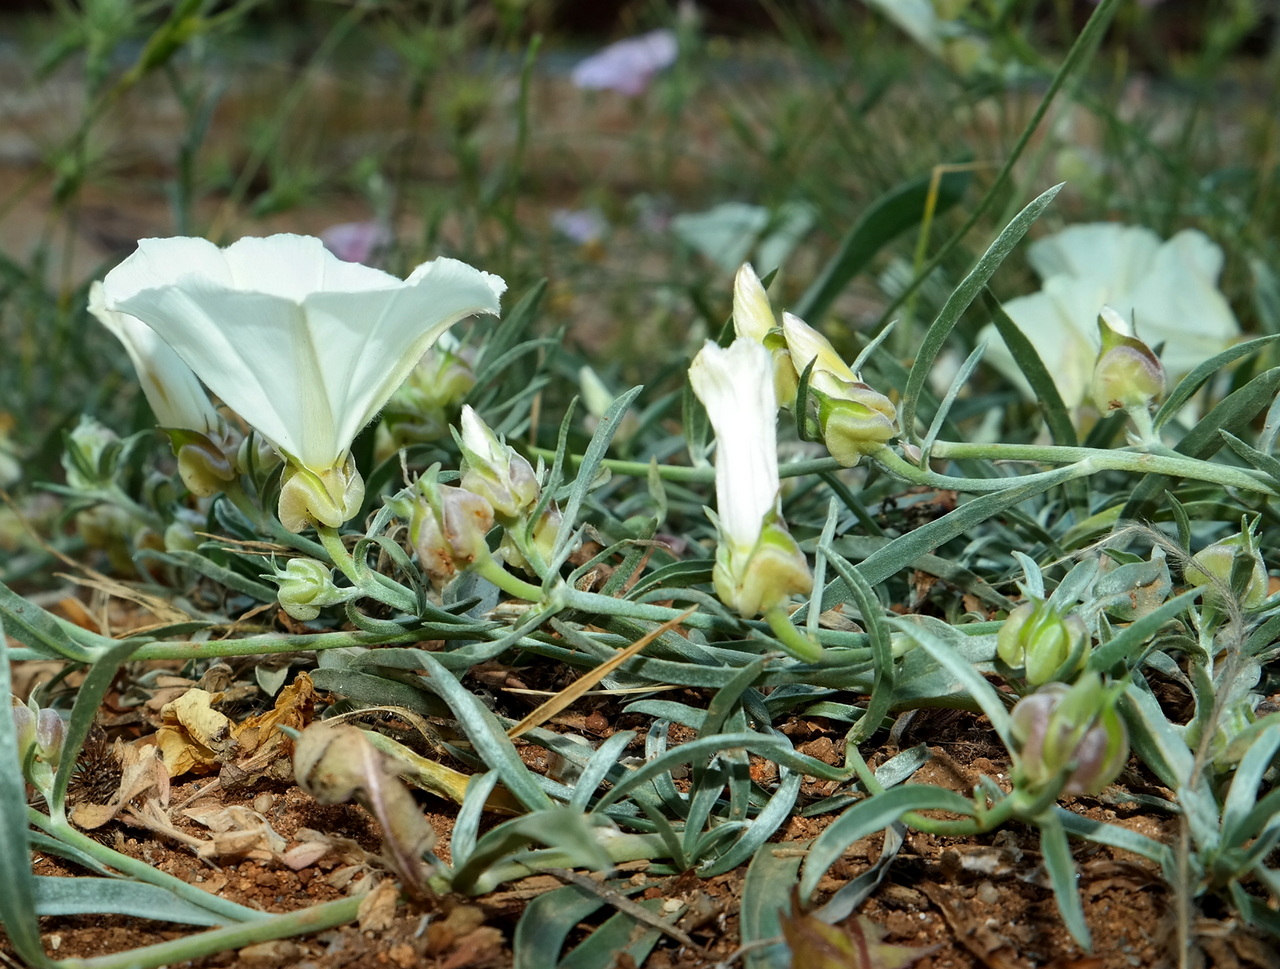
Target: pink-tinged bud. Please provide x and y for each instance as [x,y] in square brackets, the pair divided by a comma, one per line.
[1073,732]
[495,471]
[1127,374]
[1044,643]
[448,527]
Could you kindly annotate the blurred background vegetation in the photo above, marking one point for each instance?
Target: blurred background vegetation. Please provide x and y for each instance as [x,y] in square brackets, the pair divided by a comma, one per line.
[456,128]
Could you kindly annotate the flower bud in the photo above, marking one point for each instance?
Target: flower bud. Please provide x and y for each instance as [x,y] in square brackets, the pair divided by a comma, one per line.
[41,735]
[772,571]
[1214,565]
[330,498]
[495,471]
[856,422]
[419,410]
[1073,731]
[753,318]
[448,527]
[306,587]
[542,538]
[202,464]
[86,458]
[1043,642]
[1127,373]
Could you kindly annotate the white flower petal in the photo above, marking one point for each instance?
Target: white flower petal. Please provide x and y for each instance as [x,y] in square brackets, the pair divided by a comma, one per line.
[172,390]
[735,385]
[1114,256]
[752,313]
[305,347]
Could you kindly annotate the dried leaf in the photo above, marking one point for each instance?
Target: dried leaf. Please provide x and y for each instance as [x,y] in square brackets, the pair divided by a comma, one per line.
[141,770]
[194,737]
[338,763]
[378,909]
[856,944]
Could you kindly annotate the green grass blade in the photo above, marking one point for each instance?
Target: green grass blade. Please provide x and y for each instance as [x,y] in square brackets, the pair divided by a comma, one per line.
[1062,876]
[1193,381]
[891,214]
[85,895]
[18,900]
[547,922]
[959,301]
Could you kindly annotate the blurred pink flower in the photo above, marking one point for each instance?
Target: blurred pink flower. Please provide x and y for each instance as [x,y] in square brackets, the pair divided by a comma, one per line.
[356,241]
[629,65]
[582,226]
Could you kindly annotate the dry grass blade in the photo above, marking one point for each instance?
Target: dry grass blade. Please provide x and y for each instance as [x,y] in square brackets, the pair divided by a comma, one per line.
[575,690]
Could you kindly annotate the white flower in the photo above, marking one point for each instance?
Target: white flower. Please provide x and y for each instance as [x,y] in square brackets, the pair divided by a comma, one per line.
[303,346]
[1169,289]
[172,390]
[758,564]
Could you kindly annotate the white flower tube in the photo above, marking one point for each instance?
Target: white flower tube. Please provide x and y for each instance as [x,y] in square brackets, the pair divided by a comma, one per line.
[303,346]
[758,564]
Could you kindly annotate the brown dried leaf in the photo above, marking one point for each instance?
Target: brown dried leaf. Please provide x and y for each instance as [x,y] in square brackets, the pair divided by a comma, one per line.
[856,944]
[378,909]
[193,736]
[338,763]
[141,770]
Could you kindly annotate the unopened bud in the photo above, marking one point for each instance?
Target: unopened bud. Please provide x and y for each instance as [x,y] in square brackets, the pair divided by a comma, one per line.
[448,527]
[856,422]
[772,572]
[202,464]
[1071,732]
[330,497]
[542,538]
[495,471]
[1043,642]
[306,587]
[1214,565]
[87,456]
[1127,374]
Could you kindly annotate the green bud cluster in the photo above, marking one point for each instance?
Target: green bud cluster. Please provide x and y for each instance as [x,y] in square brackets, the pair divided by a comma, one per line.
[1042,642]
[306,587]
[856,421]
[1071,735]
[41,735]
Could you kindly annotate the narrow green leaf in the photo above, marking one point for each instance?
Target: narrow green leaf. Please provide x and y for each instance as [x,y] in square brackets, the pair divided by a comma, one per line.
[1126,647]
[547,921]
[481,727]
[891,214]
[868,816]
[1056,417]
[1193,381]
[959,301]
[18,899]
[872,613]
[30,624]
[766,891]
[1062,876]
[901,551]
[86,895]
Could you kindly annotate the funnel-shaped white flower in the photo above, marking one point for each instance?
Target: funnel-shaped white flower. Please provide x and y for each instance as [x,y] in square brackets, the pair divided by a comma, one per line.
[303,346]
[1169,288]
[172,390]
[758,564]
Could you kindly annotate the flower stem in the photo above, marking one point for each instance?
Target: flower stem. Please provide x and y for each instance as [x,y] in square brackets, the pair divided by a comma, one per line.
[313,919]
[792,639]
[487,567]
[370,582]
